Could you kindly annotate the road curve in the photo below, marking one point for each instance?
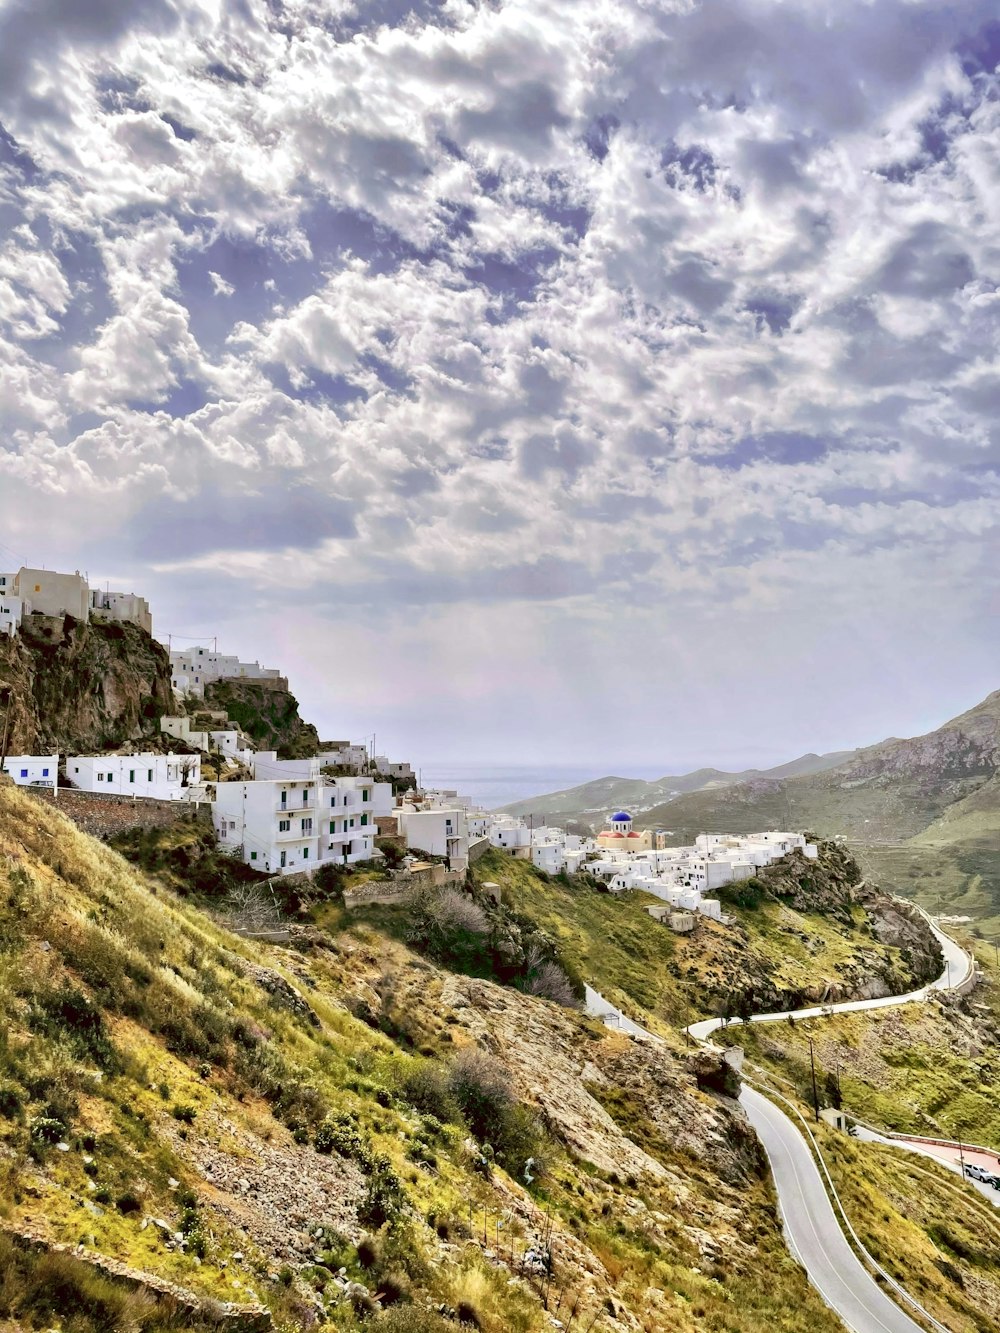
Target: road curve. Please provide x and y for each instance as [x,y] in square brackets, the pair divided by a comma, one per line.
[957,966]
[812,1229]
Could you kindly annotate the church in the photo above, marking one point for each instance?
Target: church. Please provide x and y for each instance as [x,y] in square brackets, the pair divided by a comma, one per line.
[622,836]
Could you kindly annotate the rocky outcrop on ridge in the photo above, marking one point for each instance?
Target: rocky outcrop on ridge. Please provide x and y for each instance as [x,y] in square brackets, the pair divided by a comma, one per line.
[72,686]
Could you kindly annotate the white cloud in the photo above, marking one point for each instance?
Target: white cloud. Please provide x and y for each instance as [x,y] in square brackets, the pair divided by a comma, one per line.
[689,308]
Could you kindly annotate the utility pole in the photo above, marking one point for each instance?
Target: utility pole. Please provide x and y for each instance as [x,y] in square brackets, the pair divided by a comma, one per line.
[812,1066]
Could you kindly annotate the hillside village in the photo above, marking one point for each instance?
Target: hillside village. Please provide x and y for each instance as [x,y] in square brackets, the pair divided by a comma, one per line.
[289,816]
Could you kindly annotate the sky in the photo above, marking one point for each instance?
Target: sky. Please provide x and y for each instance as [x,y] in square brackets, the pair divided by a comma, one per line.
[611,381]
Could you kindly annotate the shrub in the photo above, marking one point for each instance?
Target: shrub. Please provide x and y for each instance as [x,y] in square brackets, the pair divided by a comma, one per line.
[482,1088]
[550,981]
[128,1202]
[184,1111]
[385,1198]
[11,1102]
[46,1129]
[426,1087]
[68,1014]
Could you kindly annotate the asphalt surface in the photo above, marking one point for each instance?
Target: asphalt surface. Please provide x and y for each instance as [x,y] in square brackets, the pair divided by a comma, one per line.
[812,1229]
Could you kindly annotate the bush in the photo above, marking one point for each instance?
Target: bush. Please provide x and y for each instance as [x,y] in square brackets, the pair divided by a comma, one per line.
[385,1198]
[550,981]
[184,1111]
[482,1088]
[426,1087]
[11,1103]
[68,1014]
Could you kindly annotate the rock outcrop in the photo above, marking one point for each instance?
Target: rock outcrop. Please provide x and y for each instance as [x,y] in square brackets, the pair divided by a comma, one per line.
[67,685]
[267,713]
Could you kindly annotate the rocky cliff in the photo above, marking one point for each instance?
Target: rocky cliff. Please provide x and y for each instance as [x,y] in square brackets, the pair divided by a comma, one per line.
[67,686]
[268,715]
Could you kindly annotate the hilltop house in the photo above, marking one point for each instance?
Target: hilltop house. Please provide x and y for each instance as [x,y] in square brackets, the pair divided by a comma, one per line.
[192,670]
[46,592]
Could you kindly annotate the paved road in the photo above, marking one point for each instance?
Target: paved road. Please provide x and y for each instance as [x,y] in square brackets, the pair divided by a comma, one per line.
[944,1154]
[812,1229]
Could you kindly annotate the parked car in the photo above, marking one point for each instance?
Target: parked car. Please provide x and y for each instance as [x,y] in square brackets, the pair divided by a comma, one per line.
[979,1173]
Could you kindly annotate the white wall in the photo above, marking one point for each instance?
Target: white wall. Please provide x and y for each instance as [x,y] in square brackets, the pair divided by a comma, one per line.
[148,776]
[26,769]
[54,594]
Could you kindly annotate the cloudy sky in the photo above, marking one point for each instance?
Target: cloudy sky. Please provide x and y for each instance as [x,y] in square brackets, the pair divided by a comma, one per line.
[614,380]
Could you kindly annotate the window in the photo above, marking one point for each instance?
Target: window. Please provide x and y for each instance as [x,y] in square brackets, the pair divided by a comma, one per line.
[283,860]
[45,772]
[284,825]
[364,820]
[253,856]
[333,826]
[307,826]
[352,823]
[24,772]
[366,795]
[131,775]
[305,853]
[149,775]
[333,800]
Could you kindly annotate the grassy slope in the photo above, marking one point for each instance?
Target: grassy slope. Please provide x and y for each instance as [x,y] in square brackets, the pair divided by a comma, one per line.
[186,1030]
[669,980]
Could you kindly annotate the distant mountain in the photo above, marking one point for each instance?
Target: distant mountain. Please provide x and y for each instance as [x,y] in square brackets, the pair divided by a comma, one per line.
[593,801]
[924,813]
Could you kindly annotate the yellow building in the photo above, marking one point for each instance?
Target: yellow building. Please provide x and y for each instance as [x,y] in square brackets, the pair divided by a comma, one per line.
[621,836]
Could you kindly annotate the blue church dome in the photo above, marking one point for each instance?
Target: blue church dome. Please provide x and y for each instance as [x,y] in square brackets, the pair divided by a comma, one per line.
[621,818]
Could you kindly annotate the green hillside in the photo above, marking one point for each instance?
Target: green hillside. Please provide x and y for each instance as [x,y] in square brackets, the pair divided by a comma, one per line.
[336,1130]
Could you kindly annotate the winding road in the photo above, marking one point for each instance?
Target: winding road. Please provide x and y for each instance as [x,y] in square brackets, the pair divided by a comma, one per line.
[812,1229]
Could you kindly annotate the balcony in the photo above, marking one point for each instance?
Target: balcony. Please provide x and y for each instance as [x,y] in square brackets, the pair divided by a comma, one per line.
[297,808]
[294,833]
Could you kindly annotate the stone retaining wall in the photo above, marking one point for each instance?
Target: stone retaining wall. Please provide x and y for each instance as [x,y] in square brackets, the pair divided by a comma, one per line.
[103,816]
[177,1301]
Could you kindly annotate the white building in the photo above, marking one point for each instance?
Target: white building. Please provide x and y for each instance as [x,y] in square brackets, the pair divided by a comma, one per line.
[292,825]
[12,612]
[32,770]
[436,832]
[53,594]
[389,769]
[124,606]
[342,754]
[193,669]
[162,777]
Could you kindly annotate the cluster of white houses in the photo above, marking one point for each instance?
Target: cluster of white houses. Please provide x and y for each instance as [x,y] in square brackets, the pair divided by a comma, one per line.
[48,593]
[288,816]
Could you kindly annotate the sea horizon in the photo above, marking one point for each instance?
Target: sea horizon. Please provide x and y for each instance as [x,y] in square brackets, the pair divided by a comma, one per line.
[494,785]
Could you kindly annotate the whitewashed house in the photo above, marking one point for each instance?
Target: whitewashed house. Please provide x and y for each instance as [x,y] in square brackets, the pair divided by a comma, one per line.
[122,606]
[33,770]
[12,612]
[193,669]
[293,825]
[436,832]
[53,594]
[162,777]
